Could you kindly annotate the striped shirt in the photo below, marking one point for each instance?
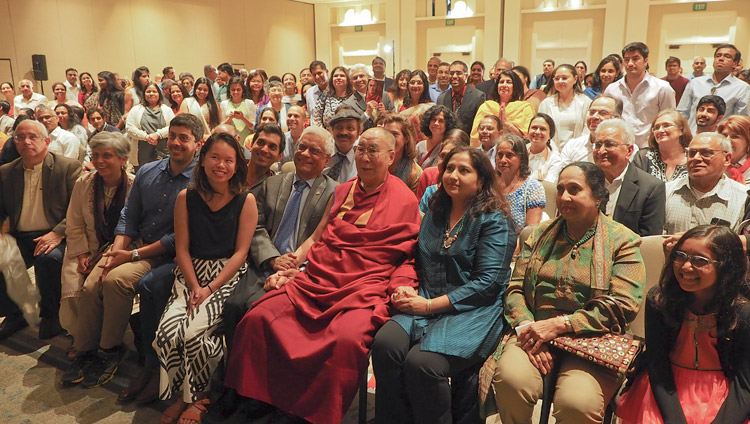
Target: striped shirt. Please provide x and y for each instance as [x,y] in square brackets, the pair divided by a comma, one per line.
[685,210]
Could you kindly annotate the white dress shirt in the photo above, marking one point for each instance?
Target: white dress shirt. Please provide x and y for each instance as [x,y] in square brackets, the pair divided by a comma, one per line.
[641,106]
[348,169]
[20,103]
[72,91]
[65,143]
[614,191]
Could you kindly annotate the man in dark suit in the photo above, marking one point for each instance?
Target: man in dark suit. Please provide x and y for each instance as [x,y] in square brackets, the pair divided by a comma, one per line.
[290,206]
[357,100]
[34,193]
[462,99]
[501,65]
[637,199]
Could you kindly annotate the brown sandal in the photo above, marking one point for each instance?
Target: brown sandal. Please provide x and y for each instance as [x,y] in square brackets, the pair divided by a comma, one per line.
[172,413]
[195,412]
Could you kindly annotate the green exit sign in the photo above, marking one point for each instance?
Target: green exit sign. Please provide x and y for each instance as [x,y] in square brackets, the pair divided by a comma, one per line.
[358,28]
[699,7]
[450,22]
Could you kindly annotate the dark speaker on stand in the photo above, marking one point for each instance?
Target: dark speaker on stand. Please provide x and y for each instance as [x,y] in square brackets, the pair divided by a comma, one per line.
[39,64]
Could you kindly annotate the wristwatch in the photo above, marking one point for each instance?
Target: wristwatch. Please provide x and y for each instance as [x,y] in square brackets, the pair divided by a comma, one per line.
[136,256]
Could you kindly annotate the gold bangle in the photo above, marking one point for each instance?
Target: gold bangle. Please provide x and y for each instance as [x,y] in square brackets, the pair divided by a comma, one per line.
[429,306]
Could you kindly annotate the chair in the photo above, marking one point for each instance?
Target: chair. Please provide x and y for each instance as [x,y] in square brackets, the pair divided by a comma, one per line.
[287,167]
[550,192]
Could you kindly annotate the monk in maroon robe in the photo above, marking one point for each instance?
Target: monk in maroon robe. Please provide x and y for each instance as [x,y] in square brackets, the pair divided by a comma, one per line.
[303,348]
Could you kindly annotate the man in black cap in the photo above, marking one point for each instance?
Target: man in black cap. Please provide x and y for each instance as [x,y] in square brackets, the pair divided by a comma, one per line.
[345,127]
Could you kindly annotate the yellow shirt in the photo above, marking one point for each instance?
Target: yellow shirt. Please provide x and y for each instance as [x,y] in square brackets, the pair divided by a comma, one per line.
[32,210]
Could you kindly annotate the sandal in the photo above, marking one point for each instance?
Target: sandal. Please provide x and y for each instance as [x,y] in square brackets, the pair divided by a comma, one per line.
[195,412]
[172,413]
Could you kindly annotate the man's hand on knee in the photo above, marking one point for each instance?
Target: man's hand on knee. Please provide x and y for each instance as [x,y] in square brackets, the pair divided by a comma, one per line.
[115,258]
[47,243]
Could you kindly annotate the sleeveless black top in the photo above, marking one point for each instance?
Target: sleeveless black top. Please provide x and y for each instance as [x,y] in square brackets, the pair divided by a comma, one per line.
[213,235]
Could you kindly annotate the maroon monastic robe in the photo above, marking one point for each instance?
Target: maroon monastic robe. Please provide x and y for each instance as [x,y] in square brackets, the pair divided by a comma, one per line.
[304,348]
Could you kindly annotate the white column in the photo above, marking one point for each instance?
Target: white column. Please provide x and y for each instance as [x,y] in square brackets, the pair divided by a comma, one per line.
[323,44]
[392,33]
[614,29]
[406,47]
[493,23]
[511,31]
[637,21]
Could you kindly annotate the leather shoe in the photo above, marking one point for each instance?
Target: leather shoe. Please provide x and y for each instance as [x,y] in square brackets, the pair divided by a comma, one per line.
[11,325]
[150,392]
[49,328]
[136,386]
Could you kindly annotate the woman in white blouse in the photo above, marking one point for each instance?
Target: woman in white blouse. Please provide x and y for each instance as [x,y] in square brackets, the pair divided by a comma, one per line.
[203,105]
[147,127]
[543,156]
[238,110]
[566,104]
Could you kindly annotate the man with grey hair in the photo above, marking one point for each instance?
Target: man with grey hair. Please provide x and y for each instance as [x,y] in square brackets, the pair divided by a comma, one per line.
[636,198]
[28,99]
[35,190]
[62,141]
[705,195]
[501,64]
[360,79]
[290,206]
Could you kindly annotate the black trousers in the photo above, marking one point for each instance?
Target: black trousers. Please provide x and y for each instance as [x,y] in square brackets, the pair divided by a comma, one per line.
[248,290]
[47,268]
[413,386]
[155,288]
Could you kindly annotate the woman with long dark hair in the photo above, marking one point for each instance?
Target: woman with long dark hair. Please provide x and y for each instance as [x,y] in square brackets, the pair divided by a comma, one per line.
[88,87]
[697,322]
[398,89]
[451,322]
[506,102]
[110,99]
[476,74]
[606,73]
[566,104]
[238,110]
[256,87]
[214,223]
[339,89]
[148,125]
[404,165]
[203,105]
[9,92]
[532,95]
[134,95]
[68,120]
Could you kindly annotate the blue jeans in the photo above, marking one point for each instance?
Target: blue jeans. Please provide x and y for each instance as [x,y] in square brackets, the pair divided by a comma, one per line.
[154,288]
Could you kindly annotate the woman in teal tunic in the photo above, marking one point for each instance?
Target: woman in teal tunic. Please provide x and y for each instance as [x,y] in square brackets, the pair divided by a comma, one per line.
[453,321]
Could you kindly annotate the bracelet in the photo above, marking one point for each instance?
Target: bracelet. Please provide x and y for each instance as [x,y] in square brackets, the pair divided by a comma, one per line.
[568,324]
[429,306]
[209,288]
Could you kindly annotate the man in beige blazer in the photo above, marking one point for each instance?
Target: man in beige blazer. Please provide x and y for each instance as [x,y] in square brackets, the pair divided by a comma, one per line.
[34,193]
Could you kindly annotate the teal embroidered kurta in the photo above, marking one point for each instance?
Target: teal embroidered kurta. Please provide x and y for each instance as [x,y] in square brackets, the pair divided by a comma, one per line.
[473,272]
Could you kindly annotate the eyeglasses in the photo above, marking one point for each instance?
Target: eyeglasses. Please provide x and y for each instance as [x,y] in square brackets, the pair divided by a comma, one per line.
[662,127]
[705,153]
[608,145]
[602,113]
[312,150]
[371,151]
[696,261]
[32,137]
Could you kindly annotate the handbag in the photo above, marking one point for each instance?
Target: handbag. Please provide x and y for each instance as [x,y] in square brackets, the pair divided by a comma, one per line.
[616,350]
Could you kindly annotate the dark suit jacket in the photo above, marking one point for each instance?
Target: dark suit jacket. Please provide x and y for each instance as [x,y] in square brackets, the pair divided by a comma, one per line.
[473,98]
[357,102]
[272,200]
[59,175]
[641,203]
[486,86]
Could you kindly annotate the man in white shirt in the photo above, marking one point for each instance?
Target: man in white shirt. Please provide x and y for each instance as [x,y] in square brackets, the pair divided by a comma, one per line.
[736,93]
[643,95]
[27,99]
[295,121]
[61,142]
[636,198]
[346,127]
[71,84]
[705,194]
[320,78]
[581,149]
[360,80]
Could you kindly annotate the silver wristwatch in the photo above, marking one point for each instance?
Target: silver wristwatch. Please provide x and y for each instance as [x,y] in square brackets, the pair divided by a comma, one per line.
[136,256]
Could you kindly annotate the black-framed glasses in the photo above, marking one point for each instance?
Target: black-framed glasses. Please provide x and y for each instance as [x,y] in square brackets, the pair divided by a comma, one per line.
[696,261]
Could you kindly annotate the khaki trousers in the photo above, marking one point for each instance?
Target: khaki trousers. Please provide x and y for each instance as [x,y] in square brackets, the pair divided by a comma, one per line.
[105,305]
[582,393]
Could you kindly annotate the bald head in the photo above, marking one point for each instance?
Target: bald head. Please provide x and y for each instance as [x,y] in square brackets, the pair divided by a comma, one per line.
[374,155]
[225,129]
[379,134]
